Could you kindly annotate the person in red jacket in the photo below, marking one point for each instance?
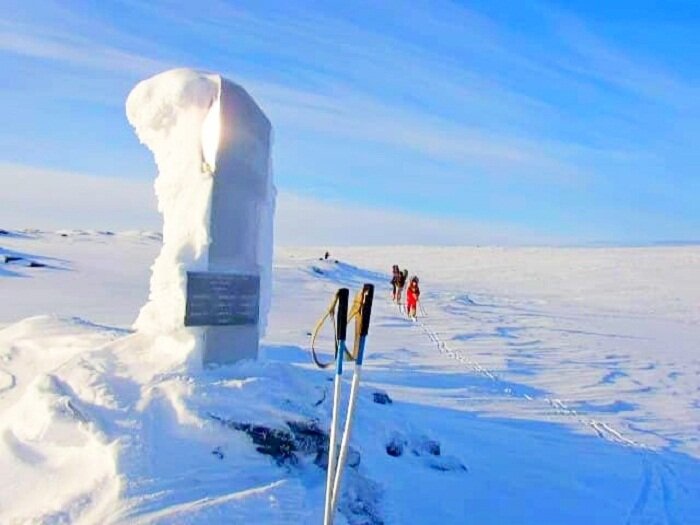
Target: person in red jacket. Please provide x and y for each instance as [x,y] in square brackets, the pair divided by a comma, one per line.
[412,296]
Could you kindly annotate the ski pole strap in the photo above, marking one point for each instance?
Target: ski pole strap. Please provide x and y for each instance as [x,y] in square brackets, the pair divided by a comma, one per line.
[340,299]
[330,311]
[360,311]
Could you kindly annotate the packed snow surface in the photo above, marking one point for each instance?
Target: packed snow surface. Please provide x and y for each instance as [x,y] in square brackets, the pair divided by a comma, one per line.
[540,386]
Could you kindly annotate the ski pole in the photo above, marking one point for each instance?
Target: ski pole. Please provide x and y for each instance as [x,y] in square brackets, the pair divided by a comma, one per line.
[368,295]
[341,335]
[422,310]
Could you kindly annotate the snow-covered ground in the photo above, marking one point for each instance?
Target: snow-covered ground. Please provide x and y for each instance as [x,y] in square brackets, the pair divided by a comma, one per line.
[543,386]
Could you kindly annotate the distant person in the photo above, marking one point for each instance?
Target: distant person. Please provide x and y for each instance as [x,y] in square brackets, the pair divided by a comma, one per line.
[412,297]
[403,277]
[395,275]
[326,256]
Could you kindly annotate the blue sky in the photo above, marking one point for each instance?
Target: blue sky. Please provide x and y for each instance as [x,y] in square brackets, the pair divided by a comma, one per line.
[498,121]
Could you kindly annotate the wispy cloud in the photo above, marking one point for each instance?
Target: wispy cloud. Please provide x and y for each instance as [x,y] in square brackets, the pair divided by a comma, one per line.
[75,50]
[51,199]
[436,107]
[303,220]
[602,61]
[333,103]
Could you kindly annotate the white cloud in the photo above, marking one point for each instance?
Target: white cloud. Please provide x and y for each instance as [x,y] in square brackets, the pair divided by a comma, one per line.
[34,197]
[41,198]
[603,61]
[75,50]
[338,109]
[308,221]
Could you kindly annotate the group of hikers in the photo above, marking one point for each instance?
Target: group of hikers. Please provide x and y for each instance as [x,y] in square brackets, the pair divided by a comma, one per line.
[398,282]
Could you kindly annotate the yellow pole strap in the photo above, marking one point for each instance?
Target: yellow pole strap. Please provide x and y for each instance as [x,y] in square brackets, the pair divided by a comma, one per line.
[353,313]
[330,312]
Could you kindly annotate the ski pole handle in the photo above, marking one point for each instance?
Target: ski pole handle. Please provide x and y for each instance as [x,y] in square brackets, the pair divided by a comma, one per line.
[342,315]
[368,297]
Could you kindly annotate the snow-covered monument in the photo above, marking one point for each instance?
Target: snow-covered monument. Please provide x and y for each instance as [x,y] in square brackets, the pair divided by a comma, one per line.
[211,142]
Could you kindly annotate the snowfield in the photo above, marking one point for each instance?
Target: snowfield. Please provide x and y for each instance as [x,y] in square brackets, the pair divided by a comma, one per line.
[542,386]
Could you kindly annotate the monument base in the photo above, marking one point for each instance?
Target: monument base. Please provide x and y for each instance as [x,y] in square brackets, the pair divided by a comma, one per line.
[228,344]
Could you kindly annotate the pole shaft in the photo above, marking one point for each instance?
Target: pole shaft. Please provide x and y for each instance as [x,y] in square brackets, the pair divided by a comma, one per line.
[345,444]
[333,442]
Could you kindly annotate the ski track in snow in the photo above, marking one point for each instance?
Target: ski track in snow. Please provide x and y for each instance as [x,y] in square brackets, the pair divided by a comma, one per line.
[7,381]
[657,494]
[603,430]
[654,504]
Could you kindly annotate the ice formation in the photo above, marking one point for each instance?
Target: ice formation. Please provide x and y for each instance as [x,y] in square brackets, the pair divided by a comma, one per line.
[214,186]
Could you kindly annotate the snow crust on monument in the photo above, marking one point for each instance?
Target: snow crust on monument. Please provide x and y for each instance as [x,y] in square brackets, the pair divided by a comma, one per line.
[180,117]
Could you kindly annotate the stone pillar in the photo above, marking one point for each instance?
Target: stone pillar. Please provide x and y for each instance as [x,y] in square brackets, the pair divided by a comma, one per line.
[240,208]
[212,278]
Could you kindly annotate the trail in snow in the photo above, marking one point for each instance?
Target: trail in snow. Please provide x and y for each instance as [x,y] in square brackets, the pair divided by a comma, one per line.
[660,484]
[7,381]
[656,503]
[603,430]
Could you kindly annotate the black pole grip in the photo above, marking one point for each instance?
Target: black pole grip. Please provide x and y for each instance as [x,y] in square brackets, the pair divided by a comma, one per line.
[368,296]
[342,318]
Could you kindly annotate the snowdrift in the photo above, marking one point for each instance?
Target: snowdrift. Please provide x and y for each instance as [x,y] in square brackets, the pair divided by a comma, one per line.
[493,409]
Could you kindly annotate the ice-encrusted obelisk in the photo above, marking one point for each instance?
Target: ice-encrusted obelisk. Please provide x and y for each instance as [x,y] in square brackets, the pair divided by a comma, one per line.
[211,142]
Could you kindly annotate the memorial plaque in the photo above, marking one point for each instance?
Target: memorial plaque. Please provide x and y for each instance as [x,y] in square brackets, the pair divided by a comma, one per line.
[222,299]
